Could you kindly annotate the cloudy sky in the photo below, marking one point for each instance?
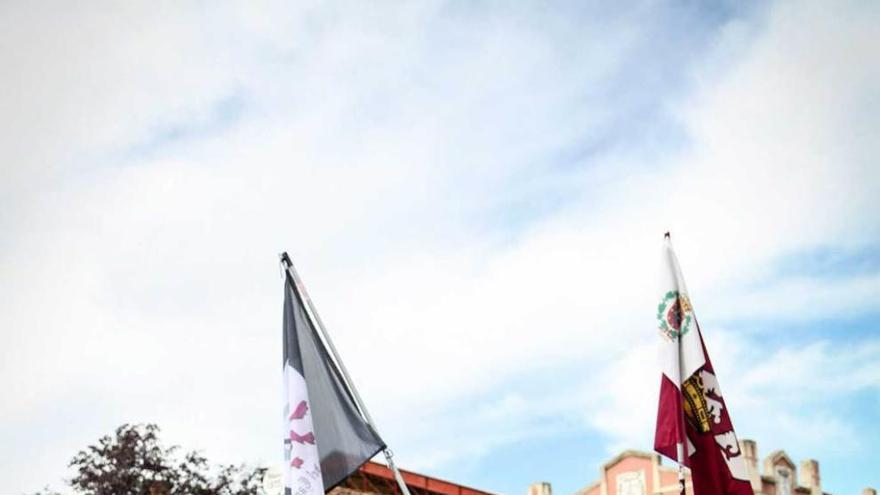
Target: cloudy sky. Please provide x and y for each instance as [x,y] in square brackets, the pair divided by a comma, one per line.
[475,195]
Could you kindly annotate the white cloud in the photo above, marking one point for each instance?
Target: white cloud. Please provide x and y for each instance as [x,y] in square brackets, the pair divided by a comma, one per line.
[79,79]
[377,147]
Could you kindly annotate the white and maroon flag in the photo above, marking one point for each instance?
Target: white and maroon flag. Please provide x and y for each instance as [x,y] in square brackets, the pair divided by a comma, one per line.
[692,412]
[325,436]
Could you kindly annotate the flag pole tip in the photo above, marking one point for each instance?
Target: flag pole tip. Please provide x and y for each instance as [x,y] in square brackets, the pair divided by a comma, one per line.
[284,259]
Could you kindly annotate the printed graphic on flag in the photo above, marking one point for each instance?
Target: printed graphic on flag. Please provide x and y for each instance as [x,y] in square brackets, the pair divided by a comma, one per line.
[302,470]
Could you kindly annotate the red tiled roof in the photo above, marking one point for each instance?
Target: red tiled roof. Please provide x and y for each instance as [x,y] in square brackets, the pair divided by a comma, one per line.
[420,481]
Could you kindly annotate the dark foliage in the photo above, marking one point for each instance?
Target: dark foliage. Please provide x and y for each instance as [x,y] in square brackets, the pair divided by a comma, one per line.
[133,462]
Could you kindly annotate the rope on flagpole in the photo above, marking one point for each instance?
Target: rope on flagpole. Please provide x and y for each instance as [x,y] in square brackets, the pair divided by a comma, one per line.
[359,403]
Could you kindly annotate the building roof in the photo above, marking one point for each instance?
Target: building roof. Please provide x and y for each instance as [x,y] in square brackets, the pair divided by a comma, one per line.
[778,455]
[628,453]
[373,477]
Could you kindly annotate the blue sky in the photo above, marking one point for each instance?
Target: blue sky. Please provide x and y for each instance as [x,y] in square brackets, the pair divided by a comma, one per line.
[475,194]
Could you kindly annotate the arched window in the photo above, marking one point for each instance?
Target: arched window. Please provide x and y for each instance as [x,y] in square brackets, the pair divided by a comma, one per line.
[783,480]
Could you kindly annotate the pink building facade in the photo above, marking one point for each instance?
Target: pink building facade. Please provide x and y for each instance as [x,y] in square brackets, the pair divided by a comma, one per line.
[633,472]
[641,473]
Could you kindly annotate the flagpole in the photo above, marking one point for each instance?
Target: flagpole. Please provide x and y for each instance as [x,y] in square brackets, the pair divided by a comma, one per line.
[319,324]
[679,452]
[679,446]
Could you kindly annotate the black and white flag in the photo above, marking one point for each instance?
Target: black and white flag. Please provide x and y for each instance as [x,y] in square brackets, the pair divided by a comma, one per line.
[325,437]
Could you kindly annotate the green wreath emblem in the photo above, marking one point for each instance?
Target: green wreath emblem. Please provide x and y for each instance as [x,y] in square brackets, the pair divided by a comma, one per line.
[674,315]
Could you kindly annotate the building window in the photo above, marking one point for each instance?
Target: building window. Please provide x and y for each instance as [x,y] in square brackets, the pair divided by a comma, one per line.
[631,483]
[783,479]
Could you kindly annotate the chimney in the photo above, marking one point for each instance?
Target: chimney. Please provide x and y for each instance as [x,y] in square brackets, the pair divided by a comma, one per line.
[869,491]
[543,488]
[749,449]
[809,476]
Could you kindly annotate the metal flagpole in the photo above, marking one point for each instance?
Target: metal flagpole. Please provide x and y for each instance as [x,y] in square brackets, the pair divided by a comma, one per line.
[679,452]
[679,446]
[319,324]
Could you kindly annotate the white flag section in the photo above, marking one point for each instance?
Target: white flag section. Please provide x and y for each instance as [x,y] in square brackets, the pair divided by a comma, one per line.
[302,469]
[676,321]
